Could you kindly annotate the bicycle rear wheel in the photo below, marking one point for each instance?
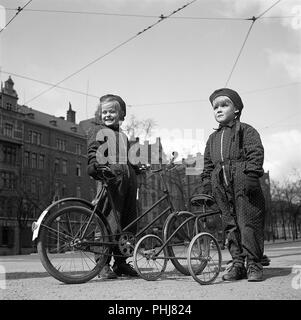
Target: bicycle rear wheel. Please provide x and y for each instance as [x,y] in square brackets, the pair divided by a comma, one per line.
[204,258]
[67,254]
[178,245]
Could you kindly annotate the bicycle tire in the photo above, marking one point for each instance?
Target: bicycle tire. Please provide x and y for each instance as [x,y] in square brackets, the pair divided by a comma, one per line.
[204,258]
[147,262]
[59,243]
[178,245]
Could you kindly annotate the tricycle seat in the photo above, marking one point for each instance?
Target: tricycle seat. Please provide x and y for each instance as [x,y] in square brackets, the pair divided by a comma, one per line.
[202,199]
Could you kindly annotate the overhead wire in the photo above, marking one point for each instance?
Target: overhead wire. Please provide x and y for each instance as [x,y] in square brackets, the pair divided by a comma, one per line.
[162,17]
[47,83]
[239,53]
[138,15]
[268,9]
[281,120]
[15,16]
[253,19]
[144,104]
[205,100]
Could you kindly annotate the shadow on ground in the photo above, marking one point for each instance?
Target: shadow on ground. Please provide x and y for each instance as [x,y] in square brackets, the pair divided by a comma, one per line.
[276,272]
[26,275]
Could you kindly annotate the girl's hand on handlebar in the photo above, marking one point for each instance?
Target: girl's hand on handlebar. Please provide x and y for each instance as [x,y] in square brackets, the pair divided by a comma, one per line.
[104,172]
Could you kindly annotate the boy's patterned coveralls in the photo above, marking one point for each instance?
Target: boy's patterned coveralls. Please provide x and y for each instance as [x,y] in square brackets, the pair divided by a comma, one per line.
[232,153]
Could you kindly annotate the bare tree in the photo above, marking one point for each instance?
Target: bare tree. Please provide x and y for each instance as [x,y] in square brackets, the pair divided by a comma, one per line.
[139,128]
[286,202]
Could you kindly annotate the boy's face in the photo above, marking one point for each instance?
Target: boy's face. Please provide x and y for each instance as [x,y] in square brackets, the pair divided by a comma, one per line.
[224,110]
[110,114]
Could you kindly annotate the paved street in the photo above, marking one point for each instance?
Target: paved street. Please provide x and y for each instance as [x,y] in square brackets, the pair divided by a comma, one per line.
[26,279]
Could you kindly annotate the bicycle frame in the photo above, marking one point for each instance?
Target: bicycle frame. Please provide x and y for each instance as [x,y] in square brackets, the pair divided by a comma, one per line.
[169,208]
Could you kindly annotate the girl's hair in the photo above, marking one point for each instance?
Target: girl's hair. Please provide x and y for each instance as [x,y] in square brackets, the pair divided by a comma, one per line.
[118,102]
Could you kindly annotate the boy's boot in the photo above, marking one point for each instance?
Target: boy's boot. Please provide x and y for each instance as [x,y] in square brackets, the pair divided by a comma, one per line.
[120,267]
[254,271]
[237,271]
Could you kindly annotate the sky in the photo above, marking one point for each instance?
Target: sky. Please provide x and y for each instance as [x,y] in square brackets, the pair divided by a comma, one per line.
[167,72]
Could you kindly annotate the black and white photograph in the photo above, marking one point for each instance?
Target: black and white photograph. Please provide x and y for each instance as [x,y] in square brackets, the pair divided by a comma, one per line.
[150,153]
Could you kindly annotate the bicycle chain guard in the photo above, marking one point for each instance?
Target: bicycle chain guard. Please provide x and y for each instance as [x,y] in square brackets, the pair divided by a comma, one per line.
[126,243]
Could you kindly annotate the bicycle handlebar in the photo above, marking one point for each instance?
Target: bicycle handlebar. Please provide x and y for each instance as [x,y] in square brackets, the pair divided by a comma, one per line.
[105,173]
[169,167]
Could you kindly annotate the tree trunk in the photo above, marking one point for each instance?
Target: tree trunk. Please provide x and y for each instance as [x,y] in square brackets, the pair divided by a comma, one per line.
[283,226]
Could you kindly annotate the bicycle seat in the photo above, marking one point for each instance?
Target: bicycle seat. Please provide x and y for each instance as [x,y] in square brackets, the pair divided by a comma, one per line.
[201,199]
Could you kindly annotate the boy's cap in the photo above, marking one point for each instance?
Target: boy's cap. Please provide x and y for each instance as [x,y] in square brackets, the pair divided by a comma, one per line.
[233,95]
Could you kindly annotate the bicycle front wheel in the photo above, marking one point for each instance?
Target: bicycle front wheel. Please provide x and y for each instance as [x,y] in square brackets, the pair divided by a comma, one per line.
[65,252]
[177,246]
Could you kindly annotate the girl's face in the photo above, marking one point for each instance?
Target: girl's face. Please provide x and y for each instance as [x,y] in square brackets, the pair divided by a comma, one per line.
[110,114]
[224,110]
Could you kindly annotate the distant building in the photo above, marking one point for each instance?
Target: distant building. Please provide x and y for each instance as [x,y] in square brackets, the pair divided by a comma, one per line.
[42,159]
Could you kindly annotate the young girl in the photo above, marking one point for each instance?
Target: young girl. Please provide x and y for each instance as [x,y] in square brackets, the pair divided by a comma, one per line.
[106,133]
[233,162]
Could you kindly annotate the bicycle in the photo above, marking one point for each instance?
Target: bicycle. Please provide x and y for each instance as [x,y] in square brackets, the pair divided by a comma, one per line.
[202,255]
[75,241]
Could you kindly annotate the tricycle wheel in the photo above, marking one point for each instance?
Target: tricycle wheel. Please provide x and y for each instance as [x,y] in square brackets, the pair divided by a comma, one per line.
[149,258]
[204,258]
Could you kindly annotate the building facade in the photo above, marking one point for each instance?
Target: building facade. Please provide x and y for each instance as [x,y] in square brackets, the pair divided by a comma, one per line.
[42,159]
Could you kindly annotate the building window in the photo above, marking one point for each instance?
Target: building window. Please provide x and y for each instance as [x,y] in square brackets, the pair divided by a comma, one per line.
[64,166]
[78,192]
[26,159]
[33,187]
[10,154]
[41,188]
[8,130]
[4,237]
[9,207]
[56,165]
[35,137]
[61,144]
[34,160]
[78,170]
[8,180]
[42,161]
[78,148]
[64,190]
[2,207]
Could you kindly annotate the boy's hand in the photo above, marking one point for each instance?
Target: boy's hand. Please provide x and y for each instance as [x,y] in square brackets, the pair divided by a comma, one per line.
[252,184]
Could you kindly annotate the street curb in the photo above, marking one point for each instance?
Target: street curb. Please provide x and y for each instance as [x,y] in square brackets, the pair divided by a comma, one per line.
[281,241]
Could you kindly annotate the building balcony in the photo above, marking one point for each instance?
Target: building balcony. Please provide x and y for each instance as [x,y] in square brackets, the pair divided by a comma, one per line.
[11,135]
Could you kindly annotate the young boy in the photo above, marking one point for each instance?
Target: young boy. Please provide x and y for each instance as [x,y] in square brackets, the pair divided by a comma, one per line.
[233,162]
[109,115]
